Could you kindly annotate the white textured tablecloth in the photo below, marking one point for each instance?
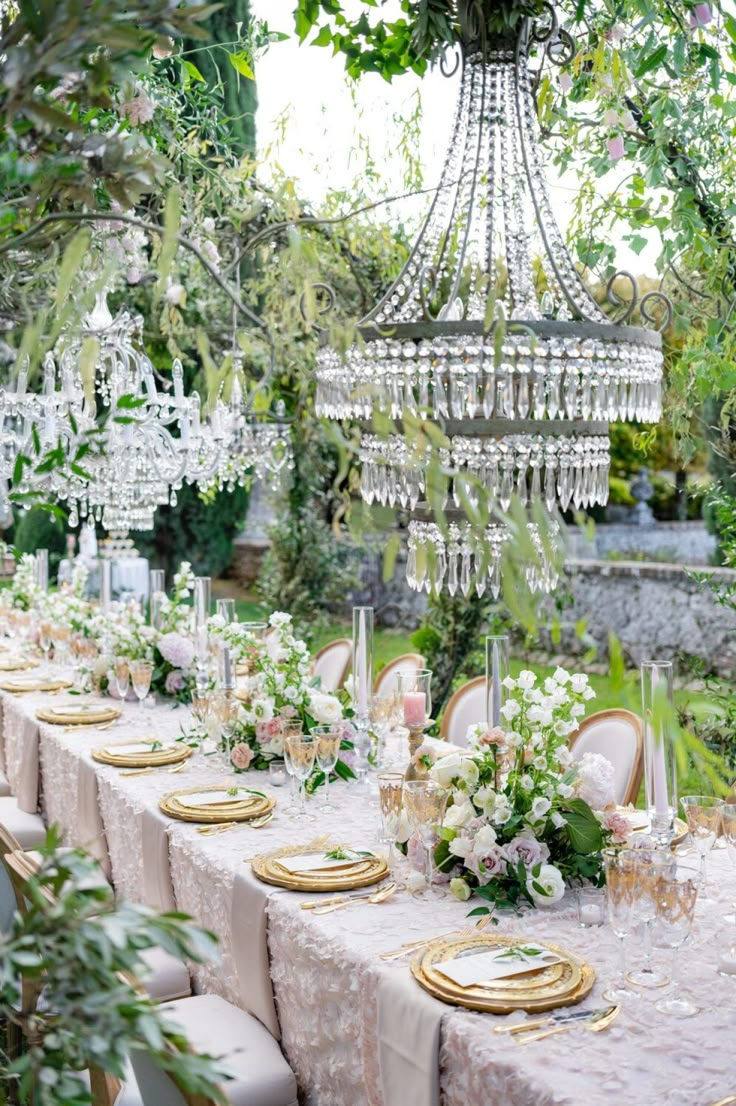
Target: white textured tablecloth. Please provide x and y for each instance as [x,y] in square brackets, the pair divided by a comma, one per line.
[335,998]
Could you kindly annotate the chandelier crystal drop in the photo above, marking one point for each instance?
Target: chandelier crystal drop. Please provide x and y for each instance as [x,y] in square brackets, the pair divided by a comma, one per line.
[490,332]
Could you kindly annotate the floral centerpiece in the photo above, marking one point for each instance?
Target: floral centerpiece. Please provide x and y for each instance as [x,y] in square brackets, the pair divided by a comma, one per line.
[278,686]
[523,820]
[23,591]
[68,606]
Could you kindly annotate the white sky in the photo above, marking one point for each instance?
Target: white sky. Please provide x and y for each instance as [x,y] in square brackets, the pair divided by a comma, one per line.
[329,116]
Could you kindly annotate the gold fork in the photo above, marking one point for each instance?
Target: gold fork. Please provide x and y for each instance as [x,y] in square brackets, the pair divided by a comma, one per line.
[415,946]
[153,768]
[225,827]
[371,897]
[90,726]
[592,1027]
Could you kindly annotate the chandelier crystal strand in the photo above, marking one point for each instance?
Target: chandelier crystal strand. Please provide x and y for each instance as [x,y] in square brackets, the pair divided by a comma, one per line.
[525,400]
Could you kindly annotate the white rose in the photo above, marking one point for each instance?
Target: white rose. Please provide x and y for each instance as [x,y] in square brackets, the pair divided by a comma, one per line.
[445,769]
[415,882]
[562,676]
[458,815]
[325,708]
[460,889]
[595,781]
[468,771]
[551,883]
[461,846]
[526,679]
[484,839]
[510,709]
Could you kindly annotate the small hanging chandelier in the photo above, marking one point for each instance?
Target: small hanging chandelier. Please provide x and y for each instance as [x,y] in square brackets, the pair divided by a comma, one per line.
[490,333]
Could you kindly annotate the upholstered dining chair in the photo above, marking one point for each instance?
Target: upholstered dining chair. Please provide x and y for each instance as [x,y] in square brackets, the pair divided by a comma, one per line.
[28,829]
[617,735]
[386,682]
[332,663]
[260,1076]
[464,708]
[165,977]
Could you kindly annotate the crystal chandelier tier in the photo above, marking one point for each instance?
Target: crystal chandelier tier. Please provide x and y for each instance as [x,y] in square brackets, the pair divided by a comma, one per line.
[490,333]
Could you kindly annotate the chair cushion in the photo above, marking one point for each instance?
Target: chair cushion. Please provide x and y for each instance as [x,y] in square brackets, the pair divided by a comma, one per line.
[245,1048]
[99,879]
[166,977]
[28,829]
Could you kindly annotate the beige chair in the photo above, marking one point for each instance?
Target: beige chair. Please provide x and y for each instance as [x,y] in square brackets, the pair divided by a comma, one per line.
[386,682]
[617,735]
[332,663]
[466,707]
[27,829]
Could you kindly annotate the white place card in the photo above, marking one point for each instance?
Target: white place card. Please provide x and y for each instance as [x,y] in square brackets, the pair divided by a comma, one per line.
[216,798]
[78,708]
[318,862]
[131,747]
[473,968]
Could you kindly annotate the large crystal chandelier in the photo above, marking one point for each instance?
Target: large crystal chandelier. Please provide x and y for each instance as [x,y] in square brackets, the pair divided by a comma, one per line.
[490,332]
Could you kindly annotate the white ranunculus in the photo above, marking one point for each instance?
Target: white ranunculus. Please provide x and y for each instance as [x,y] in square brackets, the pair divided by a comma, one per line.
[526,679]
[551,882]
[460,889]
[458,815]
[595,781]
[510,709]
[562,676]
[445,769]
[325,709]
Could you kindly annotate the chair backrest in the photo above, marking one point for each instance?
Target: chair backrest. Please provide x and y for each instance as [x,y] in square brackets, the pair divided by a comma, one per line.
[386,682]
[464,708]
[617,735]
[10,897]
[332,662]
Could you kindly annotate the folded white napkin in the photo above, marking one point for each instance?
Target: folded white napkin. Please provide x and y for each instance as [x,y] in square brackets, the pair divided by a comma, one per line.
[131,747]
[318,862]
[484,967]
[216,798]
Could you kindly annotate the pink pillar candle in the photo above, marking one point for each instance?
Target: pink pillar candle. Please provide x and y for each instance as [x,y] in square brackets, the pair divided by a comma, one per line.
[415,708]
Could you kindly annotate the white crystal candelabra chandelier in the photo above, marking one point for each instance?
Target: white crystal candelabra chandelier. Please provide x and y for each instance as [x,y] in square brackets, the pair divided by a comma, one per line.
[524,401]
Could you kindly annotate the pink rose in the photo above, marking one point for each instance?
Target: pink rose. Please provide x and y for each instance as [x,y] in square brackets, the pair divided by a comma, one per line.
[700,15]
[494,736]
[616,147]
[618,824]
[241,756]
[174,682]
[288,712]
[137,110]
[267,731]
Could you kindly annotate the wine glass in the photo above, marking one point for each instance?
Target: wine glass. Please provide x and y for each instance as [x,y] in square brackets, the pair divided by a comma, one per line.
[647,864]
[225,707]
[703,813]
[327,740]
[620,877]
[675,891]
[302,751]
[425,807]
[44,641]
[121,673]
[60,638]
[391,802]
[728,828]
[140,674]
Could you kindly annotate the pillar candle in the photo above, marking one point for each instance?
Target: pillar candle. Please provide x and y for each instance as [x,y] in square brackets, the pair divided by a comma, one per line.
[415,708]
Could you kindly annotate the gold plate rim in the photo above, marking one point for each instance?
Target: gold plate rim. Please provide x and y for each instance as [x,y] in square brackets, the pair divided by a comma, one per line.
[342,881]
[18,666]
[207,815]
[172,755]
[42,685]
[505,1004]
[89,718]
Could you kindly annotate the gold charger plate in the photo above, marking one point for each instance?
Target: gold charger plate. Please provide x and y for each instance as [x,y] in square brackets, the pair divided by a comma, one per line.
[563,984]
[169,754]
[17,664]
[18,686]
[78,716]
[267,868]
[255,806]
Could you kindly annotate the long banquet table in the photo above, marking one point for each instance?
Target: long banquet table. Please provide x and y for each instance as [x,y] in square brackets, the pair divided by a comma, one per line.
[345,1017]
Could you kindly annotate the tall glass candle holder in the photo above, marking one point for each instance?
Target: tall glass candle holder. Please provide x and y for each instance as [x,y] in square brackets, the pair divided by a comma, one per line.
[42,569]
[362,684]
[226,609]
[156,592]
[660,761]
[202,600]
[497,669]
[415,696]
[105,584]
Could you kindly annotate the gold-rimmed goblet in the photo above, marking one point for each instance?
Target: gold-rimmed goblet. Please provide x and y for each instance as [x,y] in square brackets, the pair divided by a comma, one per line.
[703,813]
[302,752]
[675,894]
[620,883]
[391,804]
[327,739]
[425,803]
[44,641]
[141,673]
[121,675]
[647,864]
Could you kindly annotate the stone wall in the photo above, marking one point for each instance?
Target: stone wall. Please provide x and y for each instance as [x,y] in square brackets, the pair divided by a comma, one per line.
[685,543]
[656,610]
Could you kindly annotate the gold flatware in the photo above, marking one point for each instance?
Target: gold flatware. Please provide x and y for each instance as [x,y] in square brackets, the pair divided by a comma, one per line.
[225,827]
[152,768]
[311,904]
[729,1100]
[415,946]
[381,895]
[90,726]
[597,1026]
[564,1016]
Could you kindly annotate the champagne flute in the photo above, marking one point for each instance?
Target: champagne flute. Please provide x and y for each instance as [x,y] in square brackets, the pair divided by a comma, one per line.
[382,711]
[648,863]
[328,740]
[44,641]
[675,893]
[620,879]
[302,751]
[728,827]
[141,673]
[425,807]
[121,673]
[391,802]
[703,813]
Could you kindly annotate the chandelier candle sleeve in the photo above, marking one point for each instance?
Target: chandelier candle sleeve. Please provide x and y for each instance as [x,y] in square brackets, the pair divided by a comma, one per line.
[156,591]
[42,569]
[362,658]
[660,769]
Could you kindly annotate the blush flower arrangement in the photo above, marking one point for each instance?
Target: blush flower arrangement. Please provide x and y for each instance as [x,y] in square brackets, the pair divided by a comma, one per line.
[523,820]
[278,686]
